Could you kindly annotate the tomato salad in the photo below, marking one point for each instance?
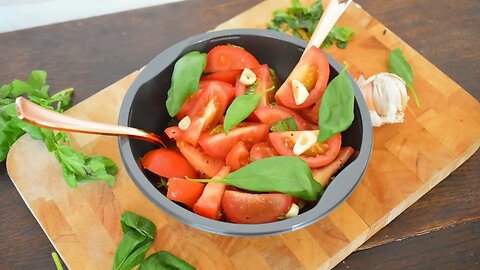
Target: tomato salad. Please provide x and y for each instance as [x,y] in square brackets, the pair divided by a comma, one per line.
[248,152]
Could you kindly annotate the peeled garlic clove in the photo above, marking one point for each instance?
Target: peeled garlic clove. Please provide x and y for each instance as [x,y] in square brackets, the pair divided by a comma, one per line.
[386,97]
[306,140]
[300,92]
[184,123]
[248,77]
[293,211]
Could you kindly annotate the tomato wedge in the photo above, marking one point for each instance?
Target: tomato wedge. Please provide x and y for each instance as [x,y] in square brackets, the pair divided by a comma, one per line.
[312,113]
[209,204]
[324,175]
[184,191]
[270,115]
[228,76]
[206,108]
[228,57]
[248,208]
[238,157]
[218,145]
[199,159]
[264,80]
[262,150]
[319,155]
[168,163]
[312,71]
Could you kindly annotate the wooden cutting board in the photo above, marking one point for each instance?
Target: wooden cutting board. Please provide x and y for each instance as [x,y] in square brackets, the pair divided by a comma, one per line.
[407,161]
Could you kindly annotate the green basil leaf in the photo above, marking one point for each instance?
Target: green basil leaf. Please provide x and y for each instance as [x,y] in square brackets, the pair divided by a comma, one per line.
[287,124]
[241,107]
[398,65]
[138,236]
[186,76]
[164,260]
[285,174]
[336,109]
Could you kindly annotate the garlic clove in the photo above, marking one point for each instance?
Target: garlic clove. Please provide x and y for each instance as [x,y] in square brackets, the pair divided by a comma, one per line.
[184,123]
[300,92]
[248,77]
[293,211]
[306,140]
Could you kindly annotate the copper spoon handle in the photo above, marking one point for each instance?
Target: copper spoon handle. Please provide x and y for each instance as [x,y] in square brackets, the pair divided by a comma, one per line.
[39,116]
[330,16]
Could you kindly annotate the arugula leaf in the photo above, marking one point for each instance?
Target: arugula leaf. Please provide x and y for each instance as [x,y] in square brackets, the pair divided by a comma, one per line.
[76,167]
[285,174]
[398,65]
[186,76]
[302,21]
[164,260]
[336,109]
[138,236]
[287,124]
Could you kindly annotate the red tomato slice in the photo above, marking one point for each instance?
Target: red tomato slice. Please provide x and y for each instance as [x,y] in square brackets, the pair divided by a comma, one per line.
[262,150]
[206,108]
[319,155]
[228,57]
[238,157]
[228,76]
[209,205]
[312,113]
[324,175]
[312,71]
[218,145]
[270,115]
[264,80]
[247,208]
[174,132]
[199,159]
[168,163]
[184,191]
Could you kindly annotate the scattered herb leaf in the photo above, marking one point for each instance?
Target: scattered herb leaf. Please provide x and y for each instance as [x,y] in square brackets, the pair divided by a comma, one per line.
[164,260]
[251,89]
[285,174]
[398,65]
[76,167]
[186,76]
[287,124]
[336,109]
[301,22]
[56,260]
[138,235]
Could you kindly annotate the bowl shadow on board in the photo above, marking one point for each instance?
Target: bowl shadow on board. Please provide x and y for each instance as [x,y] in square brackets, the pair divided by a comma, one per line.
[144,107]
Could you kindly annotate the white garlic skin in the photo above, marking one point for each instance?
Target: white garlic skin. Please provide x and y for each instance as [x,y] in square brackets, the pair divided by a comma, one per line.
[386,97]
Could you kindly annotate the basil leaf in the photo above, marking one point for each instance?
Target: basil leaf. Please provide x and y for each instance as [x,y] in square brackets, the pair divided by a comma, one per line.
[164,260]
[287,124]
[399,66]
[186,76]
[285,174]
[336,109]
[241,107]
[137,239]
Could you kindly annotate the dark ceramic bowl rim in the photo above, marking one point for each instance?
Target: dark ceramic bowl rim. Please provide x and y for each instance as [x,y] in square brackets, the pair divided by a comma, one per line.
[336,193]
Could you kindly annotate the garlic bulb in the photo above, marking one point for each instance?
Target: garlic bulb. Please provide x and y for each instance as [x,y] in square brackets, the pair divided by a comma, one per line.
[386,97]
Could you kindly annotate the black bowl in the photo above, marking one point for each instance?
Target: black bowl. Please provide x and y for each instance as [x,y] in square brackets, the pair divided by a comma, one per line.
[144,107]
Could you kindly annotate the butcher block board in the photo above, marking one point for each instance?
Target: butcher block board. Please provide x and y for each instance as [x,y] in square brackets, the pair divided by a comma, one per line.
[407,161]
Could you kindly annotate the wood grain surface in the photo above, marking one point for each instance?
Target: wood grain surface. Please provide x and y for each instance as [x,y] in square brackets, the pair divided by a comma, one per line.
[454,204]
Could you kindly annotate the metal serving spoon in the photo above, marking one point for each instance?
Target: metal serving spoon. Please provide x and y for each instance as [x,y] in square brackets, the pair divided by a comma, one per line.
[39,116]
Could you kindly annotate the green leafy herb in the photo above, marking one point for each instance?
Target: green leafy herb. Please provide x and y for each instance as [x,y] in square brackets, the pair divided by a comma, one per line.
[164,260]
[301,22]
[336,109]
[399,66]
[251,89]
[285,174]
[56,260]
[186,76]
[287,124]
[76,167]
[240,108]
[138,235]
